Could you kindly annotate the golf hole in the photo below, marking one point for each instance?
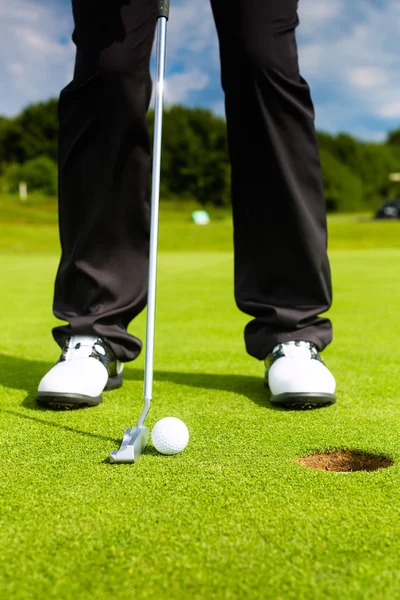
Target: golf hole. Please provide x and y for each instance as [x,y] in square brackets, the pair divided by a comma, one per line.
[345,461]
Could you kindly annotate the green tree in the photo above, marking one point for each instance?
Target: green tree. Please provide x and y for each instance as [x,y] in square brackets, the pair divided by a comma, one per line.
[40,174]
[393,137]
[326,141]
[369,162]
[393,141]
[31,134]
[11,135]
[195,160]
[39,124]
[378,161]
[343,190]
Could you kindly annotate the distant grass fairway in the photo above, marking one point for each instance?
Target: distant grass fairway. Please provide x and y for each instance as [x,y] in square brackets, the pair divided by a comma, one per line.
[232,517]
[177,233]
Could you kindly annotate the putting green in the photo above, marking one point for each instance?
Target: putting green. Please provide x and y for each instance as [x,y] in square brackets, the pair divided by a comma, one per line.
[233,516]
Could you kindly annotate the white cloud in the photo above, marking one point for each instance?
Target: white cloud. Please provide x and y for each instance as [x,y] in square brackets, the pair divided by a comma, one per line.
[390,109]
[365,77]
[192,47]
[348,53]
[191,32]
[192,60]
[16,68]
[354,70]
[179,85]
[34,64]
[315,14]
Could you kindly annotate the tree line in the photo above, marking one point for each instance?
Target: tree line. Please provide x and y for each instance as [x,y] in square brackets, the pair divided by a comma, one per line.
[195,160]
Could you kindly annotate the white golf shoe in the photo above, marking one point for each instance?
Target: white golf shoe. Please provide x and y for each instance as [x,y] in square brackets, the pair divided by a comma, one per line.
[298,378]
[86,368]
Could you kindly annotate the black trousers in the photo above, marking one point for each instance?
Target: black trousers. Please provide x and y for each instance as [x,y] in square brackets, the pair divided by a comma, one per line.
[282,275]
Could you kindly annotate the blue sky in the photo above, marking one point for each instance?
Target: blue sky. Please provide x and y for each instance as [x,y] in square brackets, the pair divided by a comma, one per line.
[349,53]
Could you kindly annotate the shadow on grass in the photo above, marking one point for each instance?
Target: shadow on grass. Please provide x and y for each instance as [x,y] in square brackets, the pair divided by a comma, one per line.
[22,374]
[245,385]
[59,426]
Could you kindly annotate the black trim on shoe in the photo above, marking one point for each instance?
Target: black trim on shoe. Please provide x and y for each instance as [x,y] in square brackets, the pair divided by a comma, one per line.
[52,400]
[300,401]
[107,359]
[65,401]
[279,352]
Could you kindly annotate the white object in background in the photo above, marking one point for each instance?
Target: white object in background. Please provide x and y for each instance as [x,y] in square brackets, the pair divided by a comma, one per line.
[201,217]
[170,435]
[23,190]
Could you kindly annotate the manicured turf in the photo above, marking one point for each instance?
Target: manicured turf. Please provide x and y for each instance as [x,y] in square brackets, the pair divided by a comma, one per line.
[234,516]
[177,234]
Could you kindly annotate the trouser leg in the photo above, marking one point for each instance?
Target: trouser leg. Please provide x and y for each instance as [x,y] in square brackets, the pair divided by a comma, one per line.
[282,274]
[104,164]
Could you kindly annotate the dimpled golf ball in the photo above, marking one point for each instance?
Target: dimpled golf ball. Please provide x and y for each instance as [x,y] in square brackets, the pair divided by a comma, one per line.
[170,435]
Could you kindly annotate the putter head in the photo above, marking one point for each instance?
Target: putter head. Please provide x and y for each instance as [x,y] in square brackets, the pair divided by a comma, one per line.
[132,446]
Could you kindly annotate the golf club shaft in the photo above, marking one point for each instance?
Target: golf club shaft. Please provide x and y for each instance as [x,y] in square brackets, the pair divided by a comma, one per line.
[163,10]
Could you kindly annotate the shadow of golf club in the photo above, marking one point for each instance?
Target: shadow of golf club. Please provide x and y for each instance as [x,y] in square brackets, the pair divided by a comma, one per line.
[59,426]
[22,374]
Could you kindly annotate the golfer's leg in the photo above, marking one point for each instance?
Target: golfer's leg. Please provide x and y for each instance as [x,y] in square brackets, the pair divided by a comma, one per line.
[104,162]
[282,275]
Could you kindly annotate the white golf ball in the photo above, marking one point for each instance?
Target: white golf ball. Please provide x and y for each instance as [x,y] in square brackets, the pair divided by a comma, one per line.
[170,435]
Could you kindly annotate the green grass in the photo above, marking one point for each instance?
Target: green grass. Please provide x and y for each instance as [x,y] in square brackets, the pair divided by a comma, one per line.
[177,232]
[36,209]
[233,516]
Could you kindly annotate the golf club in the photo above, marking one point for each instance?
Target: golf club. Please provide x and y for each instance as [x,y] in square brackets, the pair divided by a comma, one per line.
[135,439]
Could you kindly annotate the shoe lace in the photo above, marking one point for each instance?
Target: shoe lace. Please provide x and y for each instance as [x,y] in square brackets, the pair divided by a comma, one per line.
[76,347]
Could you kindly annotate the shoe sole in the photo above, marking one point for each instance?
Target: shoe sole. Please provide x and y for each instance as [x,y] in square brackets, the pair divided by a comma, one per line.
[70,401]
[301,401]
